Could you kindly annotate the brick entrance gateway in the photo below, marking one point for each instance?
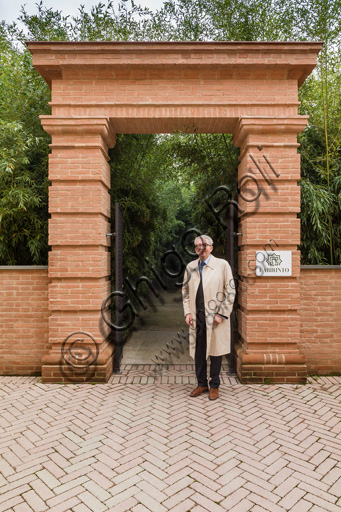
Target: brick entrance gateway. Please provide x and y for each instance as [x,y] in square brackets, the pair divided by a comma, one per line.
[100,89]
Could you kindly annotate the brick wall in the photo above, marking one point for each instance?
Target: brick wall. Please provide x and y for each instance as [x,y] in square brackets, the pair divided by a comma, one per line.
[24,317]
[321,318]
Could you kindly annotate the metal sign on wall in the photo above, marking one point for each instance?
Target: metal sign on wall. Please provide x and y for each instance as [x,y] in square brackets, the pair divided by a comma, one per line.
[273,263]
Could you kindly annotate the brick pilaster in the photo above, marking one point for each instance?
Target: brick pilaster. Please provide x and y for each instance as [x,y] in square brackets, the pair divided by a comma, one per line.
[269,201]
[79,260]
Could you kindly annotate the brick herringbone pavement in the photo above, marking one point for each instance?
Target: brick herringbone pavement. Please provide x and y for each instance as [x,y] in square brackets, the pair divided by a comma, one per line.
[150,447]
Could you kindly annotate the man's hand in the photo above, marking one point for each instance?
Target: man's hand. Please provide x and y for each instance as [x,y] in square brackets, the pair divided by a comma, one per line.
[217,319]
[189,319]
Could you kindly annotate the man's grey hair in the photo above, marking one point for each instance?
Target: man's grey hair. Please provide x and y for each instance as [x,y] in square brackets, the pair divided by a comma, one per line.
[204,237]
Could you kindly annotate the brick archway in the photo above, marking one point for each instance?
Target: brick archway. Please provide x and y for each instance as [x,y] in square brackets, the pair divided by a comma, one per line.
[100,89]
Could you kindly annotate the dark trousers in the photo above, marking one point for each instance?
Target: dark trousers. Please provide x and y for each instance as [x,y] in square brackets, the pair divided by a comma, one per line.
[201,347]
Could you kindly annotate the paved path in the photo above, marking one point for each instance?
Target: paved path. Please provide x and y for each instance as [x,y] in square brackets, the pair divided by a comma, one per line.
[167,374]
[160,333]
[150,447]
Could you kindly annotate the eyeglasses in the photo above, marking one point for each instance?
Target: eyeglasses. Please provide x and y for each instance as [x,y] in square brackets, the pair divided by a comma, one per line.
[203,246]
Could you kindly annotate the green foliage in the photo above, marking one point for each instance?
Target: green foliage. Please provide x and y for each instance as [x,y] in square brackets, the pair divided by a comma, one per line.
[205,162]
[23,159]
[23,228]
[223,20]
[161,181]
[321,167]
[102,23]
[153,203]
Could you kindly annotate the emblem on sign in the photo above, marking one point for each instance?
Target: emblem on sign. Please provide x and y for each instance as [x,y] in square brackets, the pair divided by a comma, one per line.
[274,260]
[273,263]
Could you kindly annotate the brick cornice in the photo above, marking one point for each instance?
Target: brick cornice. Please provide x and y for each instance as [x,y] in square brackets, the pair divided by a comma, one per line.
[265,126]
[80,127]
[51,58]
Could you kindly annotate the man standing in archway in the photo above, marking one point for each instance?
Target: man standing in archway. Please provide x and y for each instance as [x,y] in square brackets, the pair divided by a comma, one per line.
[208,294]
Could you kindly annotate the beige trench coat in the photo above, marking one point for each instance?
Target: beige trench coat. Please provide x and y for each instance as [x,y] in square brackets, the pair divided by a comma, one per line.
[219,295]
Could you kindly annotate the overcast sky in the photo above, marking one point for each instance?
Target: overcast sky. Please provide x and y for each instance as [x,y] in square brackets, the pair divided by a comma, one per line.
[10,9]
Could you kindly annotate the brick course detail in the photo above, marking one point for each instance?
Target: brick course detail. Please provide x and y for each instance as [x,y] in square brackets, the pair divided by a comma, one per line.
[24,315]
[26,320]
[320,340]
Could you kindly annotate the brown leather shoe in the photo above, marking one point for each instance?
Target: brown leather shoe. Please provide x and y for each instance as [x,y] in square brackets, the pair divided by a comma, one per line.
[197,391]
[214,393]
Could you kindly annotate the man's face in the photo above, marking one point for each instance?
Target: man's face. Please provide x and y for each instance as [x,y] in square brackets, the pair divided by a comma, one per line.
[203,248]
